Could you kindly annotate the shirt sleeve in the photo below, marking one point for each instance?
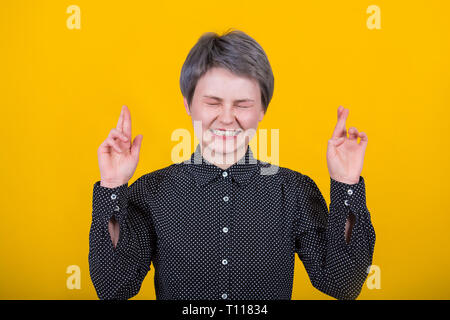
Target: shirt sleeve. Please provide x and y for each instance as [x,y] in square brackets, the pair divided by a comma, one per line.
[117,273]
[335,267]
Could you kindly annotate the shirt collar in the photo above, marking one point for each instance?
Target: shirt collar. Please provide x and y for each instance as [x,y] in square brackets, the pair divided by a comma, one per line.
[205,172]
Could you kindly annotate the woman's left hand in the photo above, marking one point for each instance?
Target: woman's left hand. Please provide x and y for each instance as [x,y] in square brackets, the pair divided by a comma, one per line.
[345,156]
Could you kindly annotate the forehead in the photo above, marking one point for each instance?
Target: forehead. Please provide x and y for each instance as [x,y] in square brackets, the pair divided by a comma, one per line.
[223,83]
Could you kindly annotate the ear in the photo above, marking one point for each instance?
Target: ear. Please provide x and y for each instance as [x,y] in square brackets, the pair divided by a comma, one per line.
[186,106]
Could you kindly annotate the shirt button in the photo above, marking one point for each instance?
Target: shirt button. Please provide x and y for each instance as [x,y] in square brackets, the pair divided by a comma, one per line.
[113,196]
[225,198]
[350,192]
[224,295]
[225,229]
[116,208]
[346,202]
[224,174]
[224,261]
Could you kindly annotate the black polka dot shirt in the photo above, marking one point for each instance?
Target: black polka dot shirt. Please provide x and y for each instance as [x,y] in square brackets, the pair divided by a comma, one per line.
[228,234]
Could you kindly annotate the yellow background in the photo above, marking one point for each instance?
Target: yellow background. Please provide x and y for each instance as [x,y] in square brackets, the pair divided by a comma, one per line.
[62,90]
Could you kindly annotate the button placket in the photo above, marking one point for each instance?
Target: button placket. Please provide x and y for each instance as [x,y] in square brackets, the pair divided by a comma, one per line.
[224,220]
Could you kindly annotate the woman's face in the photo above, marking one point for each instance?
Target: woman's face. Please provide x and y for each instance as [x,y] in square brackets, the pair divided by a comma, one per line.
[225,111]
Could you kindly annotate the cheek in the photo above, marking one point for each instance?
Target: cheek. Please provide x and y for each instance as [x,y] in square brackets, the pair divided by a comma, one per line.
[248,119]
[203,115]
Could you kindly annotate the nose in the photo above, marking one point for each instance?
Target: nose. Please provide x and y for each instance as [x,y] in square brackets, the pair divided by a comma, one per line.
[226,115]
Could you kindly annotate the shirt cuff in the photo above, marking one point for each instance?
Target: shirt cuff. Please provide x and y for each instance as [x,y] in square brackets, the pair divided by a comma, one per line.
[348,197]
[108,202]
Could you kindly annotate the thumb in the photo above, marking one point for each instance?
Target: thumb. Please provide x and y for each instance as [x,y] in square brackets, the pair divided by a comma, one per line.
[336,142]
[136,147]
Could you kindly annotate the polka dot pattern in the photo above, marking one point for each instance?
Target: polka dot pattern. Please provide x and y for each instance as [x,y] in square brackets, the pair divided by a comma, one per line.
[228,236]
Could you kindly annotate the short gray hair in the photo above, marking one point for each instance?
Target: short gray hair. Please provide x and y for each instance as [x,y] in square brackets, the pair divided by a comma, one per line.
[235,51]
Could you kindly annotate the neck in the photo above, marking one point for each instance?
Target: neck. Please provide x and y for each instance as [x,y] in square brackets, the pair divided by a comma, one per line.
[224,160]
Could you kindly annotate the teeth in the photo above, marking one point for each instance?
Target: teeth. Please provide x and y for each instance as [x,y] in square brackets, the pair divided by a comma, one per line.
[227,133]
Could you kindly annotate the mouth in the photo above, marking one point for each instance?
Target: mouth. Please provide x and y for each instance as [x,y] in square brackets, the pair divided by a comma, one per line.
[225,134]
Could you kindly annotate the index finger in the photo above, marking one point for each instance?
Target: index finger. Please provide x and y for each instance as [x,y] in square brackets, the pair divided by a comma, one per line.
[120,122]
[126,122]
[339,130]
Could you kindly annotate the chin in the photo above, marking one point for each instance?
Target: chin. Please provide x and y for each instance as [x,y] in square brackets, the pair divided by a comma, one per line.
[219,148]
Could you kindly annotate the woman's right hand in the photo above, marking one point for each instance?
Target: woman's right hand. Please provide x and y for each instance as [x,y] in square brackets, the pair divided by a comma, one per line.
[117,157]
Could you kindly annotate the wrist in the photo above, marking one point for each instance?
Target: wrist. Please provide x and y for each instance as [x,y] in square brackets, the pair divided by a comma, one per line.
[345,180]
[111,184]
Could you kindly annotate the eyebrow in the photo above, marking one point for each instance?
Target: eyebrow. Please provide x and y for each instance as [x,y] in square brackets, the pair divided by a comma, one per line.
[220,99]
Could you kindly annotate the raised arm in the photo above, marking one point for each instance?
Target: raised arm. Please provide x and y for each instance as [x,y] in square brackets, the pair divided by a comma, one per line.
[337,246]
[121,234]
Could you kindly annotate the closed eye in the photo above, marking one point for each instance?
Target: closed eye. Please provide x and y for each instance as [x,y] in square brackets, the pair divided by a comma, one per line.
[240,106]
